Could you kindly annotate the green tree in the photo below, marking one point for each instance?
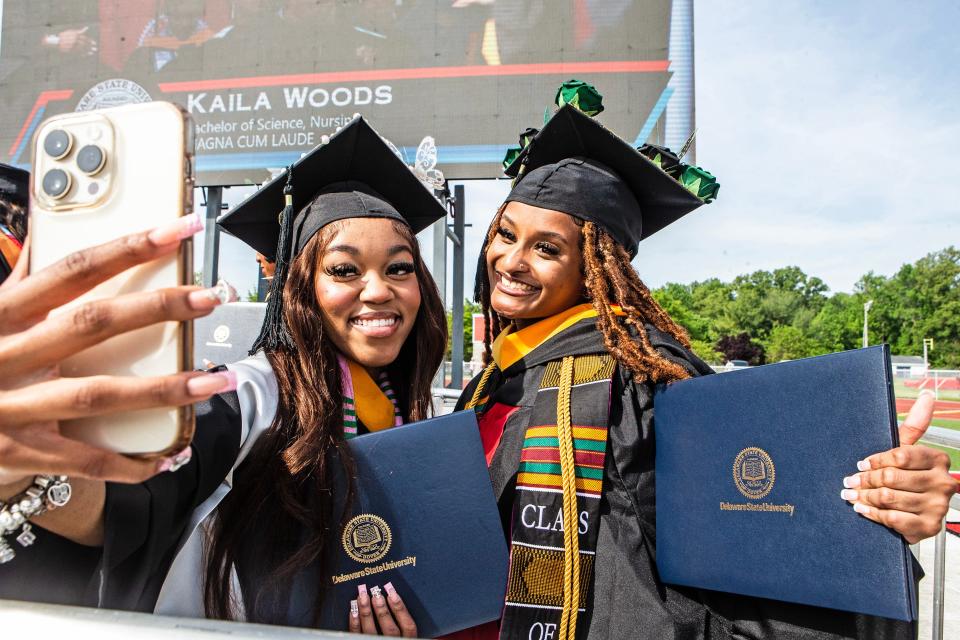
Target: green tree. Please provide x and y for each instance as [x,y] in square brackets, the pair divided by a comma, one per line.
[791,314]
[838,325]
[677,300]
[469,308]
[787,342]
[922,300]
[707,352]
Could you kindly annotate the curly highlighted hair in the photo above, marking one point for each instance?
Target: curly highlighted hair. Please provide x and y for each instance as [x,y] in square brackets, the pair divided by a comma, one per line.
[609,280]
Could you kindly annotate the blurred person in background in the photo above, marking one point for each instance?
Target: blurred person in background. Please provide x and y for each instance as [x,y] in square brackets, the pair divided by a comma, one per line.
[14,200]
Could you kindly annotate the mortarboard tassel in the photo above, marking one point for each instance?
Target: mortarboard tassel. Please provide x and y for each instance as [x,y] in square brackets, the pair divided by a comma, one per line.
[274,334]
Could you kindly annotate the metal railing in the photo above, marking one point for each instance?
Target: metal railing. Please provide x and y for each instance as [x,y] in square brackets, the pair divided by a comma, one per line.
[945,383]
[939,581]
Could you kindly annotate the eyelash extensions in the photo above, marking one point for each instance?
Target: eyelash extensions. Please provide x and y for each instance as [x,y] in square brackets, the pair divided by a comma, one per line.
[348,270]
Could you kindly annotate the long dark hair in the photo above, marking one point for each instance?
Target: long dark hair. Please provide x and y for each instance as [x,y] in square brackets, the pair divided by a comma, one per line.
[609,280]
[287,482]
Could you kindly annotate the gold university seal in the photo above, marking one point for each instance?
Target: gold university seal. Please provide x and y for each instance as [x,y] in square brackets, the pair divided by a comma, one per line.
[754,473]
[366,538]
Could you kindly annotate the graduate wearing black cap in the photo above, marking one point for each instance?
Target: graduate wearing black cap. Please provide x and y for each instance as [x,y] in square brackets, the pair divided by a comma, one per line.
[575,344]
[354,333]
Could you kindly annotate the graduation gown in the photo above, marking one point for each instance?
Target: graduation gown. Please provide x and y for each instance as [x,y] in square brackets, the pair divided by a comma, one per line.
[151,555]
[627,598]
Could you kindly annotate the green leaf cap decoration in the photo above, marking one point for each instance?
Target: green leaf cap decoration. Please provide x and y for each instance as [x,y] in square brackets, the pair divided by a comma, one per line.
[512,154]
[581,95]
[697,181]
[527,135]
[585,98]
[663,158]
[700,183]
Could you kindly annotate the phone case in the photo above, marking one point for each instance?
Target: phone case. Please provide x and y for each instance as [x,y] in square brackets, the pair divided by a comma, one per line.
[146,181]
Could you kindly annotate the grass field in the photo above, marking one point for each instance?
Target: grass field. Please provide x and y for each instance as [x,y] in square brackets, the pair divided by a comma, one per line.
[946,424]
[903,391]
[953,453]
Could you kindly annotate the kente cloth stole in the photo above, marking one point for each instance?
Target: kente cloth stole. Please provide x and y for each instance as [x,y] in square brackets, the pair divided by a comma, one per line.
[557,505]
[374,404]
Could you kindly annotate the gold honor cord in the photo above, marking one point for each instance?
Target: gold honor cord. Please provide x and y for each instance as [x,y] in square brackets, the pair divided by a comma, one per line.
[568,473]
[480,385]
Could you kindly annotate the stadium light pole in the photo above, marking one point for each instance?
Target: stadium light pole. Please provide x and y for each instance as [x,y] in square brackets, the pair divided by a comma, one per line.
[927,344]
[866,310]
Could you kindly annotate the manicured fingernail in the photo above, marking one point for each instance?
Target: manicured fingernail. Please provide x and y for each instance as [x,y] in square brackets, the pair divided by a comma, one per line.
[851,482]
[861,508]
[375,594]
[165,465]
[354,609]
[849,494]
[204,299]
[181,459]
[211,383]
[362,590]
[863,465]
[391,592]
[181,228]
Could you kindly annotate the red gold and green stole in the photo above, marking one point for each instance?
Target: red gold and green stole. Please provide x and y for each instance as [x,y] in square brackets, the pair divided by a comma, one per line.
[511,346]
[372,403]
[556,510]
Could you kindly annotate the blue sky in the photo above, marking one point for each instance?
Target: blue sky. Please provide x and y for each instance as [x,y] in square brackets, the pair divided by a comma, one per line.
[832,127]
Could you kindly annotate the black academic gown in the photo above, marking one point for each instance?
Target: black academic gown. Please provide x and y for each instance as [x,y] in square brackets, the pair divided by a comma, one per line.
[143,526]
[628,599]
[151,559]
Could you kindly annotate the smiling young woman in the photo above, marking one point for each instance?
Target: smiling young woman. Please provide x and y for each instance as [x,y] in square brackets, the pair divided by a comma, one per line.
[530,273]
[575,344]
[354,332]
[367,288]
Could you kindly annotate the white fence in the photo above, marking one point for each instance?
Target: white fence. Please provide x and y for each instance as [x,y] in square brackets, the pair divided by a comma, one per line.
[945,383]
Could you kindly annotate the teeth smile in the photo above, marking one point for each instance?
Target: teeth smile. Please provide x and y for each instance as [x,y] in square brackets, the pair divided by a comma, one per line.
[374,322]
[516,285]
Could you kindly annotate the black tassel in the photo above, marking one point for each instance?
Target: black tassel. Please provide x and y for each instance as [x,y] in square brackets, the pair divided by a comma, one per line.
[274,334]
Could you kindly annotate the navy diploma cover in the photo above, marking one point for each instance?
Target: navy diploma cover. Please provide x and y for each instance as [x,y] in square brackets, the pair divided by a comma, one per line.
[750,465]
[424,518]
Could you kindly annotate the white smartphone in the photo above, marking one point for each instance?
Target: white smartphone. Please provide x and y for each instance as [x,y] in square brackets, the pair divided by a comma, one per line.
[98,176]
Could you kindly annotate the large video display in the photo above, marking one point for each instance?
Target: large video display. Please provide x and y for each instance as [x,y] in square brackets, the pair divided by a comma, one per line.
[264,80]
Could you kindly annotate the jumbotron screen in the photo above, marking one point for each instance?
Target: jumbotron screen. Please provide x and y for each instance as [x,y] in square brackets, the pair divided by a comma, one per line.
[264,80]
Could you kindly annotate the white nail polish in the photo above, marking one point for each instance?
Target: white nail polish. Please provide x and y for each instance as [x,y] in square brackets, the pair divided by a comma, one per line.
[851,482]
[848,494]
[861,508]
[863,465]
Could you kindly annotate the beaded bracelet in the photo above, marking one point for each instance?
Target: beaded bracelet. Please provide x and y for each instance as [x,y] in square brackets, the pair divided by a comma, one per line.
[45,494]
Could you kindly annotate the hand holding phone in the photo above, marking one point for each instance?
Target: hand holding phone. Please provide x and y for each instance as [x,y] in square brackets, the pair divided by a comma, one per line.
[97,176]
[34,398]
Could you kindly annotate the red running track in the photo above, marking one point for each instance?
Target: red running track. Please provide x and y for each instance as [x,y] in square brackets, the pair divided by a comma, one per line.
[941,409]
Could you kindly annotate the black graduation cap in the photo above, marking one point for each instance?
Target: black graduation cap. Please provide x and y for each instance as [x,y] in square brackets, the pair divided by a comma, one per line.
[14,185]
[354,175]
[366,176]
[577,166]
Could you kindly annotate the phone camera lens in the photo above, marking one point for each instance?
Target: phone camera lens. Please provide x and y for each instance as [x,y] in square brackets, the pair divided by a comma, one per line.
[57,143]
[56,183]
[90,159]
